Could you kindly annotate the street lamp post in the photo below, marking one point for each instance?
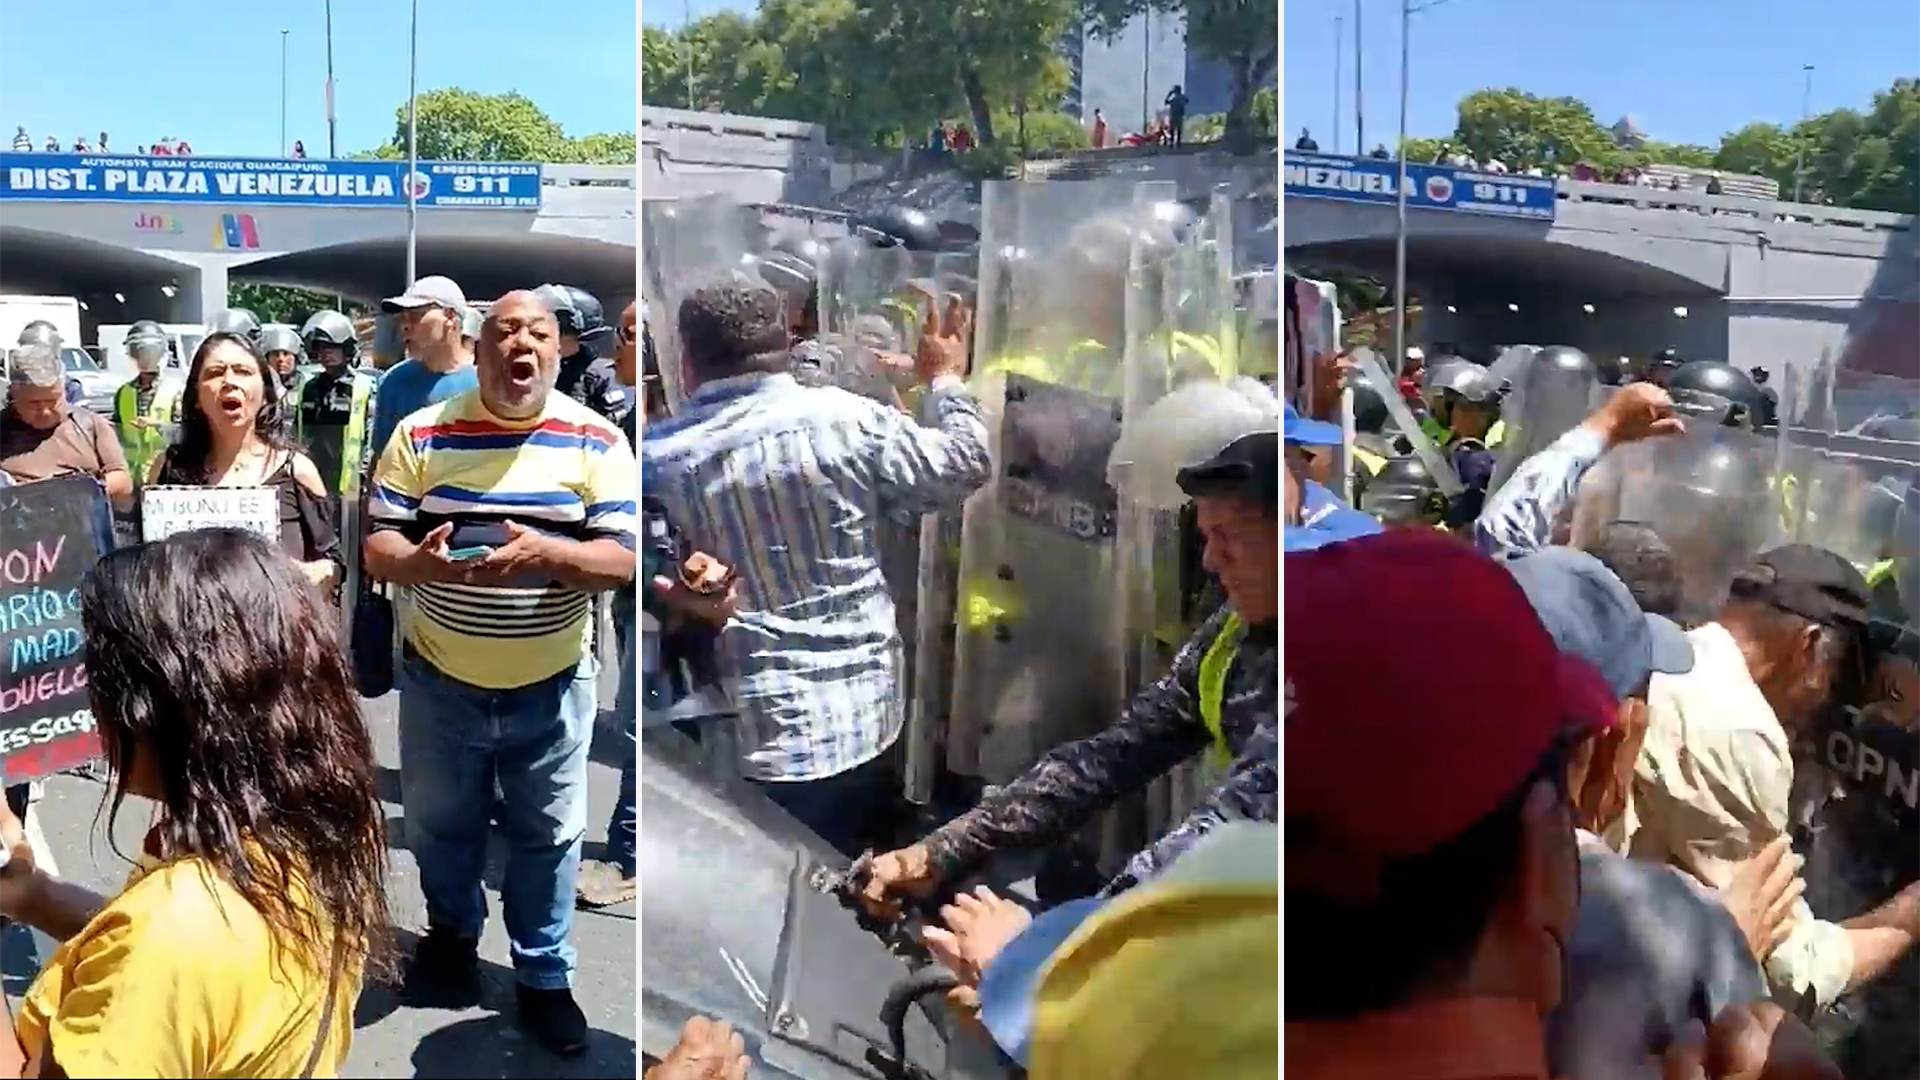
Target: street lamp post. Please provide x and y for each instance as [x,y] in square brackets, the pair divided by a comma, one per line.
[1359,87]
[333,133]
[283,93]
[413,148]
[1339,46]
[1407,9]
[1800,141]
[1400,196]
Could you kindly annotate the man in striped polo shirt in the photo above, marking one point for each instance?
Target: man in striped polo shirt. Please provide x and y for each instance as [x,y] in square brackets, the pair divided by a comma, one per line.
[502,511]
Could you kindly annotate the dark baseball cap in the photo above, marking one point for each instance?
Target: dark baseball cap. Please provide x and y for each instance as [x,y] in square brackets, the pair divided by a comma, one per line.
[1248,466]
[1807,581]
[1444,731]
[1592,615]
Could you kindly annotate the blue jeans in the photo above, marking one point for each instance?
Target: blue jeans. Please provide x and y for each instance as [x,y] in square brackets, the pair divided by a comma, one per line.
[456,743]
[622,829]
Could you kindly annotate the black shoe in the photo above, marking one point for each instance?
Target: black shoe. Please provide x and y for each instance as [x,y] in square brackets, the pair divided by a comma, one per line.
[444,972]
[554,1021]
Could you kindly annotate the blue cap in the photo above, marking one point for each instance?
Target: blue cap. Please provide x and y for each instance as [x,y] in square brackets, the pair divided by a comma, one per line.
[1324,519]
[1007,986]
[1299,431]
[1592,615]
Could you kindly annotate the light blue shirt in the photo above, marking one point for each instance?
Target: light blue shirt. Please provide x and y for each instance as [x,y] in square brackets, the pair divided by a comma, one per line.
[406,388]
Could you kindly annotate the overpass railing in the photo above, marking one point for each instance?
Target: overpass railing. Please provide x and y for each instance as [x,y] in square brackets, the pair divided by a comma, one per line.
[615,176]
[1649,198]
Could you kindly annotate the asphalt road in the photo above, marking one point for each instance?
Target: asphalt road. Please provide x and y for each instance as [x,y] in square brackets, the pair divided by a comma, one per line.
[391,1040]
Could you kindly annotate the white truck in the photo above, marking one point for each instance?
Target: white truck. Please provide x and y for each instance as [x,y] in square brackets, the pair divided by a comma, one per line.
[182,340]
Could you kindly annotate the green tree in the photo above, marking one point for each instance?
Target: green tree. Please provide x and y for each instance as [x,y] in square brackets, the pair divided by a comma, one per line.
[460,125]
[879,73]
[281,303]
[1241,34]
[1869,160]
[1524,131]
[1759,149]
[662,68]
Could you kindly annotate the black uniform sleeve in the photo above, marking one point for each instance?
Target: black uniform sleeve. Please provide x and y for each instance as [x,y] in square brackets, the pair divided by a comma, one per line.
[1159,728]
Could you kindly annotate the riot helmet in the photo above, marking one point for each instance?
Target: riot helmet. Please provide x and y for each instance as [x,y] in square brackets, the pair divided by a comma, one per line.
[899,226]
[147,344]
[1663,367]
[328,329]
[238,321]
[1567,359]
[39,332]
[808,249]
[281,338]
[793,277]
[1370,415]
[1434,374]
[1719,393]
[1613,370]
[578,313]
[1404,494]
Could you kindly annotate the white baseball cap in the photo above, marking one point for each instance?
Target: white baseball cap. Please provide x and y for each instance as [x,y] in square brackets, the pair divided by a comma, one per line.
[432,290]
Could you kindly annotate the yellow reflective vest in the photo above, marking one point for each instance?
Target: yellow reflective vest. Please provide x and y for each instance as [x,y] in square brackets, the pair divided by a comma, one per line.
[354,442]
[143,442]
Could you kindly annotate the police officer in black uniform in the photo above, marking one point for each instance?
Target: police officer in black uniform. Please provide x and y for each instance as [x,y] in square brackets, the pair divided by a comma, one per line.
[585,375]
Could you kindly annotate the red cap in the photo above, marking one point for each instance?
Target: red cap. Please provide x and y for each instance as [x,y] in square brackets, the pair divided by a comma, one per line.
[1421,692]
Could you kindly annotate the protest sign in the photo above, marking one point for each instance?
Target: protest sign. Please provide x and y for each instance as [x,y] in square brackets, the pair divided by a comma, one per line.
[168,510]
[46,549]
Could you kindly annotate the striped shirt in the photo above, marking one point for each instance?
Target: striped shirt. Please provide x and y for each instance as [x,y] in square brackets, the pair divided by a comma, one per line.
[787,484]
[567,472]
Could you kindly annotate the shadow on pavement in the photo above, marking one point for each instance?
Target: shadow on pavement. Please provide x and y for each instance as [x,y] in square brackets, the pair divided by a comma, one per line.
[382,999]
[491,1046]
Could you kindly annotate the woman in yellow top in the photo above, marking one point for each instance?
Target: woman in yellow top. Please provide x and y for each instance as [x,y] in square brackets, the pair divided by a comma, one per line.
[238,946]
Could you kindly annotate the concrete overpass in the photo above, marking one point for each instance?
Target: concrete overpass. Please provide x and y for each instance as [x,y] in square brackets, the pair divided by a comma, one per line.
[1629,270]
[140,250]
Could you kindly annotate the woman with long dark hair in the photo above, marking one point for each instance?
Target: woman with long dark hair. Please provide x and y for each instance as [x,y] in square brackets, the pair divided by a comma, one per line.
[239,945]
[233,434]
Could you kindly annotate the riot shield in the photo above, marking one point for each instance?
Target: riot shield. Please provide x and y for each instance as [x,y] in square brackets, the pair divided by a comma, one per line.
[1036,662]
[1706,494]
[1436,460]
[1180,344]
[685,244]
[1857,808]
[1551,395]
[1511,365]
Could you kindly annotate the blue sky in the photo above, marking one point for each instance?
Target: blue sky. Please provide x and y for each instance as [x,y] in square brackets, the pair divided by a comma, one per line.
[670,14]
[128,67]
[1688,70]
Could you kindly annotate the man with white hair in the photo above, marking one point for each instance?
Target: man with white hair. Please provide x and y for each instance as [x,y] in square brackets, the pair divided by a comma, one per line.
[42,436]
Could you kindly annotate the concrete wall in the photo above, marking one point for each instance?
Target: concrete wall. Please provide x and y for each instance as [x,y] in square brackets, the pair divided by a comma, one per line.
[1763,283]
[750,158]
